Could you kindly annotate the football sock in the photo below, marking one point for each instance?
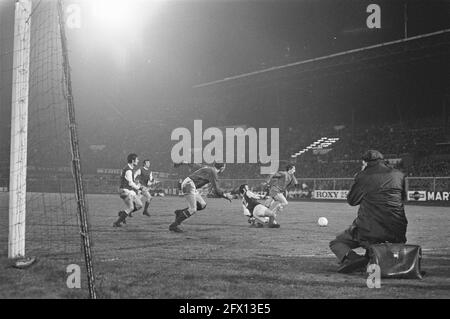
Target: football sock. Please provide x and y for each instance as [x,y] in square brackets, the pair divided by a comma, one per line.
[182,215]
[122,217]
[135,208]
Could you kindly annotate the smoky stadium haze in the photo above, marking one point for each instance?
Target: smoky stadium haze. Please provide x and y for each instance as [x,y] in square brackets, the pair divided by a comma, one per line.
[144,73]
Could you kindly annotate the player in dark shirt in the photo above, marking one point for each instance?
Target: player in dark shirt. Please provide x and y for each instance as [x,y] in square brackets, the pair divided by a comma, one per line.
[129,190]
[196,180]
[145,177]
[256,211]
[278,184]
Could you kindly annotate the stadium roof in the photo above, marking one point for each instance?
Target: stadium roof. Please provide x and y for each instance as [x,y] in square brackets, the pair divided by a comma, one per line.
[425,46]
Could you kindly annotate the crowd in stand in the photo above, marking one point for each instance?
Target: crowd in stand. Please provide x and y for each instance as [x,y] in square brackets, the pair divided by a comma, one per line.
[418,148]
[421,146]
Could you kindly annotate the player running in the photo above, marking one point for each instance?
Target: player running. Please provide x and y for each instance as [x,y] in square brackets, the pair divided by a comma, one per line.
[145,177]
[259,215]
[129,190]
[198,179]
[278,184]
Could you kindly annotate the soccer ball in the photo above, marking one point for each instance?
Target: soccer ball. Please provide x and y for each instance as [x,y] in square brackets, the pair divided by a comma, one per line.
[323,222]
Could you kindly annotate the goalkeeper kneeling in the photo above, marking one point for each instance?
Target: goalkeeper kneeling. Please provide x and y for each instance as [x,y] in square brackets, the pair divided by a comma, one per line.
[258,214]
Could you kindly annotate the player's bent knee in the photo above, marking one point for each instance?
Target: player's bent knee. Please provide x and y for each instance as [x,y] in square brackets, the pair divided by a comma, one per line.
[269,213]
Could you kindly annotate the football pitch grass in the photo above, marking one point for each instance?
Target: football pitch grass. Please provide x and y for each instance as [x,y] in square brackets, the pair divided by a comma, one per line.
[220,256]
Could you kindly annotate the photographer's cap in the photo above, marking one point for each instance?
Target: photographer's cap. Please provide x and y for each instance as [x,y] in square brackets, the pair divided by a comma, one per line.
[372,155]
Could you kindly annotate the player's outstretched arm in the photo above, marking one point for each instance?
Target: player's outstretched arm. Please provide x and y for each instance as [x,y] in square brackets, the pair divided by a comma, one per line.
[214,181]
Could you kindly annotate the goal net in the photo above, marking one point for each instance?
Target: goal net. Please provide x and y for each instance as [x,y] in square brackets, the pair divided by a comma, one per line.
[36,148]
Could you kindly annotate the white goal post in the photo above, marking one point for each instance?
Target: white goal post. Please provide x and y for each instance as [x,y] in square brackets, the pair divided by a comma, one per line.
[19,129]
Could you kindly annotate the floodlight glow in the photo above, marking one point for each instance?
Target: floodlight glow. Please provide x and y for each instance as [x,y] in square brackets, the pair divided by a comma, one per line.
[112,13]
[123,16]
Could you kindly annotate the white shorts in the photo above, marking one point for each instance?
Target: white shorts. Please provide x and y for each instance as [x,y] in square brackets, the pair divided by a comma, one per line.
[125,193]
[188,187]
[259,213]
[145,192]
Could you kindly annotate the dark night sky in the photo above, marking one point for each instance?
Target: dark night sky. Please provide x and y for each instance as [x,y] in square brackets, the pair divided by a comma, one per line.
[196,41]
[146,65]
[176,44]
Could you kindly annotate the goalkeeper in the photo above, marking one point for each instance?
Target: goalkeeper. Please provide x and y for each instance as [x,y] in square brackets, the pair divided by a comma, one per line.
[199,178]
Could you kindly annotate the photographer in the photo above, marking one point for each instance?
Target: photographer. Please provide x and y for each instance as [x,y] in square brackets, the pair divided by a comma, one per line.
[379,190]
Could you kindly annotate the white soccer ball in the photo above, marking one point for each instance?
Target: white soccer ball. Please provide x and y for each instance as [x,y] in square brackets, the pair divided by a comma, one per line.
[323,222]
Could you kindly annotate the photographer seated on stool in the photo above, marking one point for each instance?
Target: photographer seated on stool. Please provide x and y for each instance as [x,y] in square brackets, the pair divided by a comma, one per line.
[379,190]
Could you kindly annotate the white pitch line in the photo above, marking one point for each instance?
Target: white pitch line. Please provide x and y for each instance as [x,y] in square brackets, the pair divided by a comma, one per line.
[109,259]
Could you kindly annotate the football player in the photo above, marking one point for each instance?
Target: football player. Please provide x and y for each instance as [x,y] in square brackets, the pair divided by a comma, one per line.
[278,184]
[258,214]
[199,178]
[129,190]
[145,177]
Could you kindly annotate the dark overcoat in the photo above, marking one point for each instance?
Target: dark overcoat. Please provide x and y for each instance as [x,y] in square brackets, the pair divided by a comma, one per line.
[379,190]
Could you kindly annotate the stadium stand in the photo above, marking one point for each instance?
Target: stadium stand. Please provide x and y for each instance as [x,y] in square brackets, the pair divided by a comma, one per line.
[419,147]
[418,151]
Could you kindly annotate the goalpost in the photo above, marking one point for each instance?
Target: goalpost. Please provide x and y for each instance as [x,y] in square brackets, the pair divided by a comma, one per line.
[52,104]
[19,129]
